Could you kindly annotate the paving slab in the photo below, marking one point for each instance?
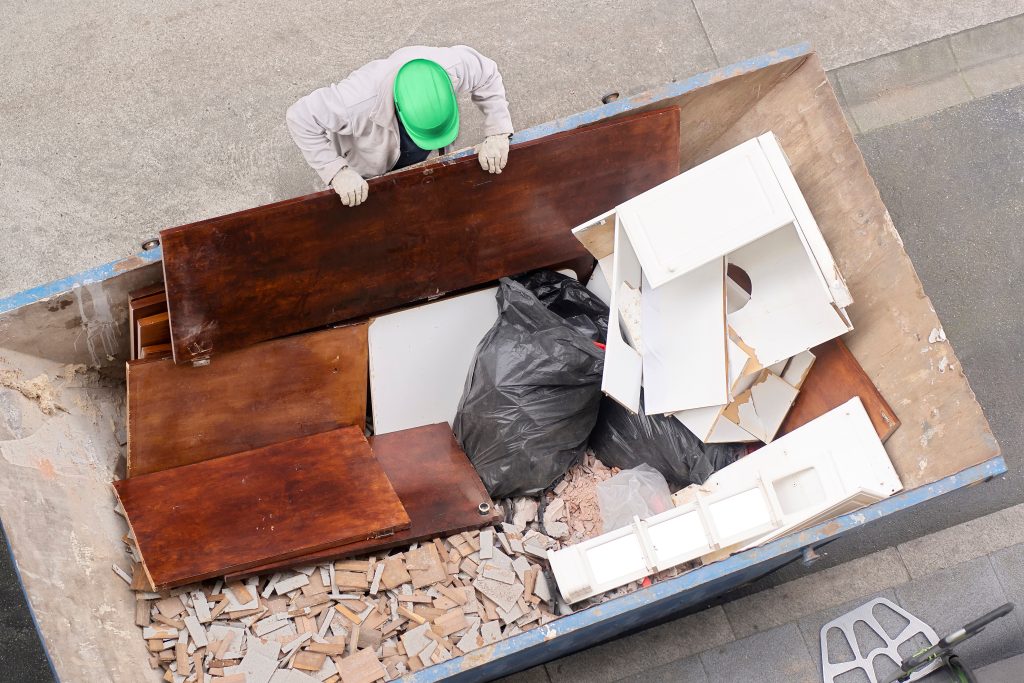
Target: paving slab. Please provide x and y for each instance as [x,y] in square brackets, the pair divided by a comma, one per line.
[950,598]
[902,85]
[653,647]
[687,670]
[1008,565]
[774,656]
[991,57]
[1010,670]
[956,544]
[537,674]
[22,659]
[807,595]
[842,31]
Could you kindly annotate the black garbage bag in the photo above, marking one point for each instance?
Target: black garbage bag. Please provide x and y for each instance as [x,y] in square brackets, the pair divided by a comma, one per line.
[534,389]
[622,439]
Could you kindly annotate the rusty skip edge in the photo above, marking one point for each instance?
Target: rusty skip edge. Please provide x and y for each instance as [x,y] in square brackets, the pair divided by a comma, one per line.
[627,612]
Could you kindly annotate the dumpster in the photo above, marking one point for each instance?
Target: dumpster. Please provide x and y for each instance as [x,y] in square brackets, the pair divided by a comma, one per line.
[63,348]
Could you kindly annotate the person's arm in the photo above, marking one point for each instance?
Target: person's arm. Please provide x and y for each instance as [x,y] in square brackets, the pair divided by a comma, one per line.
[482,80]
[310,120]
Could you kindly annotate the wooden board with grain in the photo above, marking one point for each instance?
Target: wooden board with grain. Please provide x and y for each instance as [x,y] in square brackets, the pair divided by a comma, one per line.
[834,379]
[270,392]
[434,480]
[144,303]
[239,279]
[281,501]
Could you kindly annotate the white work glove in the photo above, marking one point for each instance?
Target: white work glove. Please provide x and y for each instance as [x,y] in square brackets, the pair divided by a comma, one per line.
[494,153]
[350,186]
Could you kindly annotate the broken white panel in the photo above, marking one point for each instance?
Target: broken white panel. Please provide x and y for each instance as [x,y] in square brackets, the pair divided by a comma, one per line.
[623,365]
[789,310]
[598,235]
[685,362]
[631,315]
[663,541]
[761,409]
[811,233]
[816,465]
[420,357]
[598,282]
[798,368]
[705,213]
[700,421]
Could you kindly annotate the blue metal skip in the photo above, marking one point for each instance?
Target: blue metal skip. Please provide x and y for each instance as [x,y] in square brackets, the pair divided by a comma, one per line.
[660,600]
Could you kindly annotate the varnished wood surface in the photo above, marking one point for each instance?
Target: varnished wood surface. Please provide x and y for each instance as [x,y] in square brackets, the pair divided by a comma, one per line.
[153,329]
[142,304]
[259,274]
[228,514]
[834,379]
[270,392]
[435,482]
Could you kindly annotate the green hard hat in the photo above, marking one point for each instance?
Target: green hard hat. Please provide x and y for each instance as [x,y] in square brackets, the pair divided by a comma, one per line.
[425,101]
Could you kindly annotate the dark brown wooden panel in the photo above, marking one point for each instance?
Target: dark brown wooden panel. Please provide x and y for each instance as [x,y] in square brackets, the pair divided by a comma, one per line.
[834,379]
[434,480]
[155,351]
[298,264]
[270,392]
[153,329]
[281,501]
[143,306]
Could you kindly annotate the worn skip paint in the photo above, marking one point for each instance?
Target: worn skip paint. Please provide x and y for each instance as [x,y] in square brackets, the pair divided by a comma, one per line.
[937,335]
[99,331]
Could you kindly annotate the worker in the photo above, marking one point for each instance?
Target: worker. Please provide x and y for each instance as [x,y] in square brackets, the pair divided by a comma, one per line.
[394,112]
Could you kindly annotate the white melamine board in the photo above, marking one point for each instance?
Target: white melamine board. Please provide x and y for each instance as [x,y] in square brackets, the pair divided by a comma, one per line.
[700,421]
[665,540]
[420,357]
[623,366]
[598,234]
[770,398]
[598,282]
[798,368]
[705,213]
[842,439]
[831,277]
[685,363]
[727,432]
[789,310]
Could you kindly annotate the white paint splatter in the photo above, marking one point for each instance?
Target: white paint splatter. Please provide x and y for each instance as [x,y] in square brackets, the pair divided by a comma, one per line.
[943,364]
[937,335]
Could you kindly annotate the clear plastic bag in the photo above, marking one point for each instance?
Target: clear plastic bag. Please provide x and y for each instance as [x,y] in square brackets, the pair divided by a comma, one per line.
[641,492]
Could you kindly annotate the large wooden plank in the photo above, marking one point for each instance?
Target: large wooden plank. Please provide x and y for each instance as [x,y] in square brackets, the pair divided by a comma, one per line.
[434,480]
[259,274]
[270,392]
[834,379]
[228,514]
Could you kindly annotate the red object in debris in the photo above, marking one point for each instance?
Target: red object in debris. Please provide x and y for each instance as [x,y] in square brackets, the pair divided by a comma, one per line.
[646,582]
[599,345]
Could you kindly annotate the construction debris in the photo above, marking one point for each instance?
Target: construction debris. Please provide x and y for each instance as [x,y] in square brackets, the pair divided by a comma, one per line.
[433,601]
